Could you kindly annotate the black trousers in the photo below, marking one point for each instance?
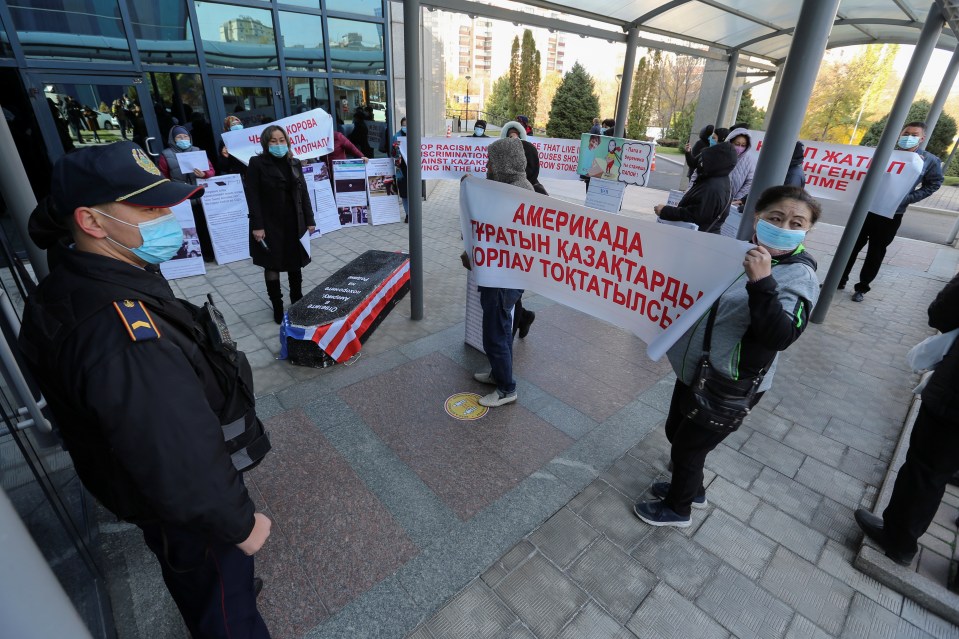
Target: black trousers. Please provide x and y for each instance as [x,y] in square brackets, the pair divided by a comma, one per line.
[211,583]
[932,458]
[691,443]
[878,232]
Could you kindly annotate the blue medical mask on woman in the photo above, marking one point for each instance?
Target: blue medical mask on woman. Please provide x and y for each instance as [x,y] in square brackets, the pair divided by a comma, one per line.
[162,238]
[183,144]
[779,239]
[279,150]
[403,129]
[713,142]
[236,127]
[908,141]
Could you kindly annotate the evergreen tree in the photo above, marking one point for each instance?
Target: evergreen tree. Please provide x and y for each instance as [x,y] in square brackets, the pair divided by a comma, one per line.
[529,77]
[939,144]
[680,126]
[574,106]
[497,104]
[514,81]
[749,112]
[645,81]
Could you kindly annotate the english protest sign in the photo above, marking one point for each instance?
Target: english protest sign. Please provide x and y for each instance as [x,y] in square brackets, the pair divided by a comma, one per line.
[652,279]
[452,158]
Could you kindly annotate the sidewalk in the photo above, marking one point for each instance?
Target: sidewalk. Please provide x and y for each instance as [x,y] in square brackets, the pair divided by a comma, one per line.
[388,514]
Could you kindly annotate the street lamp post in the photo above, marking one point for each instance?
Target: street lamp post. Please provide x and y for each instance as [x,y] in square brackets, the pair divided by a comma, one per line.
[467,101]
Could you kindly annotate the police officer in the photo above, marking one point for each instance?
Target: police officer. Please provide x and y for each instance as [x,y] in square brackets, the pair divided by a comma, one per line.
[153,401]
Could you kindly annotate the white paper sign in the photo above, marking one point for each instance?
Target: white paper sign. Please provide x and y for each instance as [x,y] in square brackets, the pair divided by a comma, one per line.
[349,184]
[605,195]
[189,160]
[321,197]
[227,217]
[305,242]
[836,172]
[309,134]
[189,259]
[381,188]
[652,279]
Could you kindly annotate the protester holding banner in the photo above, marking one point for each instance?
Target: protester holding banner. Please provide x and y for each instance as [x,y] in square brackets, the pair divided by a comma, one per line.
[507,163]
[736,344]
[706,203]
[280,214]
[227,163]
[479,130]
[879,231]
[180,142]
[794,174]
[516,130]
[741,179]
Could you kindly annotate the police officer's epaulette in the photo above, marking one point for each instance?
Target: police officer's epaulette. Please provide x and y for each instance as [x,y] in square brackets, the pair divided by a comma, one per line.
[137,320]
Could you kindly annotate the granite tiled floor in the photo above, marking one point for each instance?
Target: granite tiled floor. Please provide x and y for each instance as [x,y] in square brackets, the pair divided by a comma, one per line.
[384,507]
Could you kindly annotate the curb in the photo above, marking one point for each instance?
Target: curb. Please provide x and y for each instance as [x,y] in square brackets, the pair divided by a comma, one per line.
[872,561]
[929,209]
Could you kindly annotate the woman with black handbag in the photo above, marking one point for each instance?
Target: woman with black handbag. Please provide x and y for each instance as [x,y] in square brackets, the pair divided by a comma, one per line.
[726,362]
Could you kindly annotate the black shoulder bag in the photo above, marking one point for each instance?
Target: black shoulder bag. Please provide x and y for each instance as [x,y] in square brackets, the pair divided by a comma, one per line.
[714,401]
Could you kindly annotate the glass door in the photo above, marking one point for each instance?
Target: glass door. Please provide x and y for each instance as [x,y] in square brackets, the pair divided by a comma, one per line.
[255,101]
[76,110]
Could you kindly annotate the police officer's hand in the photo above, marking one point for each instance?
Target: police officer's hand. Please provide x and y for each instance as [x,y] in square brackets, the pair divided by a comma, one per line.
[261,531]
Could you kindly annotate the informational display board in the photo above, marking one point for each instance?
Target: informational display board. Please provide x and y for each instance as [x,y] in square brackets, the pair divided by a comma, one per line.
[605,195]
[227,217]
[317,178]
[617,159]
[349,185]
[189,259]
[381,189]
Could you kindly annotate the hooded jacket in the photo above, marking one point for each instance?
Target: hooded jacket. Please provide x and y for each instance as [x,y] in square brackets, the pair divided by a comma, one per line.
[507,163]
[794,174]
[170,167]
[692,156]
[754,322]
[529,149]
[706,203]
[940,396]
[741,178]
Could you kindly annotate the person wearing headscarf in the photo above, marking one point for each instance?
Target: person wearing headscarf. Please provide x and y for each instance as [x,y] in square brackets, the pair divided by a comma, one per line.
[507,164]
[522,119]
[741,179]
[180,141]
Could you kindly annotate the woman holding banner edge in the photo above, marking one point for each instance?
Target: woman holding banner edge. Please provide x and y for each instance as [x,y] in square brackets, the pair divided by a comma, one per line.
[280,214]
[760,314]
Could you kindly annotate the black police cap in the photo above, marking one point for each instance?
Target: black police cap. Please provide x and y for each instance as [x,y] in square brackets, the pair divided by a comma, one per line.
[118,172]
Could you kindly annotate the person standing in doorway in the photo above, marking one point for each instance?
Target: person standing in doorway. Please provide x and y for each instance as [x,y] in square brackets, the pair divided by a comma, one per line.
[879,231]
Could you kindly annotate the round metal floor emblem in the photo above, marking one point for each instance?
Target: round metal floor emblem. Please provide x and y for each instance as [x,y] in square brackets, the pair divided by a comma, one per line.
[465,406]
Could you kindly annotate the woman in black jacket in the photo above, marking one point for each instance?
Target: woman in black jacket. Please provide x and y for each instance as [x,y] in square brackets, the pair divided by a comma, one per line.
[706,139]
[280,213]
[706,203]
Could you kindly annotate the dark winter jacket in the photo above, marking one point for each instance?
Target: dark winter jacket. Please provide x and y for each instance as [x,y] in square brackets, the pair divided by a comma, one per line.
[929,181]
[275,188]
[529,150]
[794,174]
[941,395]
[754,322]
[692,156]
[706,203]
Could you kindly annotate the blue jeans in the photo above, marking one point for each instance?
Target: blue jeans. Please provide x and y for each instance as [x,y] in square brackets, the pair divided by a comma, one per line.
[406,206]
[497,304]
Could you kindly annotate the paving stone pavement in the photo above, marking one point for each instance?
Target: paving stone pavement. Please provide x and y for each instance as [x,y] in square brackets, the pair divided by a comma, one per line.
[392,521]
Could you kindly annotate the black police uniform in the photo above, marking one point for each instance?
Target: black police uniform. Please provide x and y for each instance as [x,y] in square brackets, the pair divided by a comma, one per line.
[157,423]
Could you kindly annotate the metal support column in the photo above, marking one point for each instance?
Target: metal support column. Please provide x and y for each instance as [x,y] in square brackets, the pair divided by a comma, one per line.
[18,195]
[928,38]
[727,88]
[941,95]
[809,41]
[414,132]
[777,82]
[626,85]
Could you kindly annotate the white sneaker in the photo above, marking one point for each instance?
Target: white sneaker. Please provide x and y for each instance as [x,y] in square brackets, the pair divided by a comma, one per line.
[485,378]
[497,399]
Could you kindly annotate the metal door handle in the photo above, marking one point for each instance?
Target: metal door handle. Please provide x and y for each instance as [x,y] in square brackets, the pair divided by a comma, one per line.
[149,149]
[14,375]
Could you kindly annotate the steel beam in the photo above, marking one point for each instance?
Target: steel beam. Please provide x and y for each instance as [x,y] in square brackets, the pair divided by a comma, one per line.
[626,84]
[414,132]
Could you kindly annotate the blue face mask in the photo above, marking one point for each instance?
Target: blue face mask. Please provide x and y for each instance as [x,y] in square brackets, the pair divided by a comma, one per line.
[712,142]
[236,127]
[403,129]
[908,141]
[779,239]
[184,144]
[162,238]
[479,130]
[279,150]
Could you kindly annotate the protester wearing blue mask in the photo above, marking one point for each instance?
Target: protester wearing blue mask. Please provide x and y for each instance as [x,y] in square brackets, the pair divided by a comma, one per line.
[159,422]
[879,231]
[280,214]
[479,129]
[757,316]
[179,141]
[226,163]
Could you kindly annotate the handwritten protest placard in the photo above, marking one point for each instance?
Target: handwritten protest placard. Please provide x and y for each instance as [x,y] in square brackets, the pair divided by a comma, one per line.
[309,134]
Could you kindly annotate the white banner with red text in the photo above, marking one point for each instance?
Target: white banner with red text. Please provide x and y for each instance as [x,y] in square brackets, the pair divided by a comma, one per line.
[309,135]
[836,172]
[653,280]
[452,158]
